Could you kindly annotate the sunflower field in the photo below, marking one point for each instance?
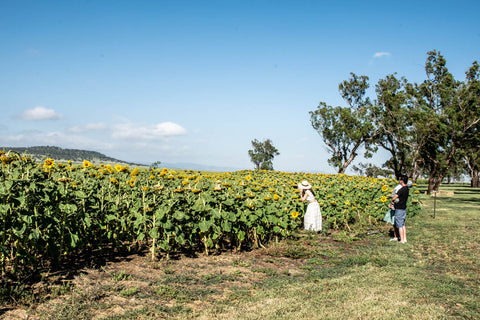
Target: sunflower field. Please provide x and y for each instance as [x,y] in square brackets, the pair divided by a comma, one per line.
[49,210]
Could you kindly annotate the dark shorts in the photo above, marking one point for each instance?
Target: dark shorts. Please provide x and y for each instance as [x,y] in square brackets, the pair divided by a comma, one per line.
[400,215]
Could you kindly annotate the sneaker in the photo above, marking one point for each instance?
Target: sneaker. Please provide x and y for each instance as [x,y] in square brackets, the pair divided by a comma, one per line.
[403,241]
[394,239]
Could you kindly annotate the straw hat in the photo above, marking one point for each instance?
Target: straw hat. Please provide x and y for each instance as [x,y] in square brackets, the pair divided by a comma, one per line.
[304,185]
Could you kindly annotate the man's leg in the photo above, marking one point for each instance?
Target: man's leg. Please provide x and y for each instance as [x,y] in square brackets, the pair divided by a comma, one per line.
[403,234]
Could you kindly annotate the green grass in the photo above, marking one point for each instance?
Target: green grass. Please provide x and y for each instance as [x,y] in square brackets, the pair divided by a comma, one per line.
[433,276]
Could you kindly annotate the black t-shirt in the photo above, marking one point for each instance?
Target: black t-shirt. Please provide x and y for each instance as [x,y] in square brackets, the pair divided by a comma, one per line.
[402,198]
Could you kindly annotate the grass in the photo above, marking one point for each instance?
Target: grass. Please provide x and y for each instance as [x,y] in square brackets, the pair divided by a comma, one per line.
[434,276]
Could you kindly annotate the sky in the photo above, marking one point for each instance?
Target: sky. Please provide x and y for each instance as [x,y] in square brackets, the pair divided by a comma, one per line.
[197,81]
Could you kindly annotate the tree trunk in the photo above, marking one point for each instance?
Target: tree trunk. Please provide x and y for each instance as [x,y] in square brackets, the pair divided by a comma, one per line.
[431,179]
[475,183]
[474,173]
[438,182]
[431,184]
[434,183]
[352,156]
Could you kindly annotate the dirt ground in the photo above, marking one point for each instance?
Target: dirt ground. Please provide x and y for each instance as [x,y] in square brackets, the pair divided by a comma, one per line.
[135,281]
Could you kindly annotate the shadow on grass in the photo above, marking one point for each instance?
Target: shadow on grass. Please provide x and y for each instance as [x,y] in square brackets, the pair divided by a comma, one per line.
[35,283]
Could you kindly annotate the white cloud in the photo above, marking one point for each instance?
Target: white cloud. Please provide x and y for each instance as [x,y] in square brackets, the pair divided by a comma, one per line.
[147,132]
[141,143]
[169,129]
[89,127]
[53,138]
[381,54]
[40,113]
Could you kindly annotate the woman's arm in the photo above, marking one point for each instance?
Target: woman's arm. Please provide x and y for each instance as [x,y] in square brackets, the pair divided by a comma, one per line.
[304,195]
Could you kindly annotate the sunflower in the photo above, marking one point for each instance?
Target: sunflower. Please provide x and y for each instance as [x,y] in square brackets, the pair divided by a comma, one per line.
[295,214]
[87,164]
[48,163]
[135,172]
[383,199]
[385,188]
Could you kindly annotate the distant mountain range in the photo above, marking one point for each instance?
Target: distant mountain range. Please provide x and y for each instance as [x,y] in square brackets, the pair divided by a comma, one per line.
[60,154]
[76,155]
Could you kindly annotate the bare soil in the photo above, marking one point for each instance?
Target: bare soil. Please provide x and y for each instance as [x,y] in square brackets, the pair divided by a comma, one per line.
[130,283]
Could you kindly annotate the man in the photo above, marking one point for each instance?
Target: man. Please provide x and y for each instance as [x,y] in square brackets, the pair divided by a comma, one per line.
[401,208]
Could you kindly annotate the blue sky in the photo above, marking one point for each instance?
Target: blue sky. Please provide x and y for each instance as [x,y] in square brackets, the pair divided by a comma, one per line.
[197,81]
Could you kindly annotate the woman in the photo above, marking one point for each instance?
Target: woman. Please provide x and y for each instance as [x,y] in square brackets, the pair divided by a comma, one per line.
[313,216]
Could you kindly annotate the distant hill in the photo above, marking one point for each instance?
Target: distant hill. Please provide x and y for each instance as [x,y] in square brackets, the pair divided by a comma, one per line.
[60,154]
[76,155]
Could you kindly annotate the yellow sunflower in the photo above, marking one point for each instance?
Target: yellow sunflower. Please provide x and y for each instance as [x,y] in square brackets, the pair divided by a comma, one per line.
[48,163]
[87,164]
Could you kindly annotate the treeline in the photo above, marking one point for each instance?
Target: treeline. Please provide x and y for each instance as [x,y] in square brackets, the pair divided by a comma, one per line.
[430,129]
[57,153]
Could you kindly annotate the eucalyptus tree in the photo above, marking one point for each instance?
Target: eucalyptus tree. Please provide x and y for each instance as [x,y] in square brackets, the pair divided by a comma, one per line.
[392,116]
[436,105]
[345,130]
[449,119]
[262,154]
[470,107]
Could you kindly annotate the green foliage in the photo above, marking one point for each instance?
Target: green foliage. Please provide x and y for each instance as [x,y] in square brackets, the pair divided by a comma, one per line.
[262,154]
[370,170]
[431,128]
[346,129]
[393,120]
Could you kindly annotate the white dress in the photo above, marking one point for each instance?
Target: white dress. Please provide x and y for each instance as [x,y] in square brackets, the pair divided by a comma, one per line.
[313,216]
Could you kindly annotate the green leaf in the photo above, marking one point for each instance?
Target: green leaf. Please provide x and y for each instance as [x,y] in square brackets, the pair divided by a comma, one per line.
[180,239]
[241,235]
[153,233]
[226,226]
[141,236]
[34,235]
[229,202]
[179,215]
[20,232]
[73,240]
[204,226]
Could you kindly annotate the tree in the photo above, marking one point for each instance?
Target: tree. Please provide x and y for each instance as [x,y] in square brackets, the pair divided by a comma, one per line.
[392,117]
[470,105]
[449,117]
[262,154]
[346,129]
[155,164]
